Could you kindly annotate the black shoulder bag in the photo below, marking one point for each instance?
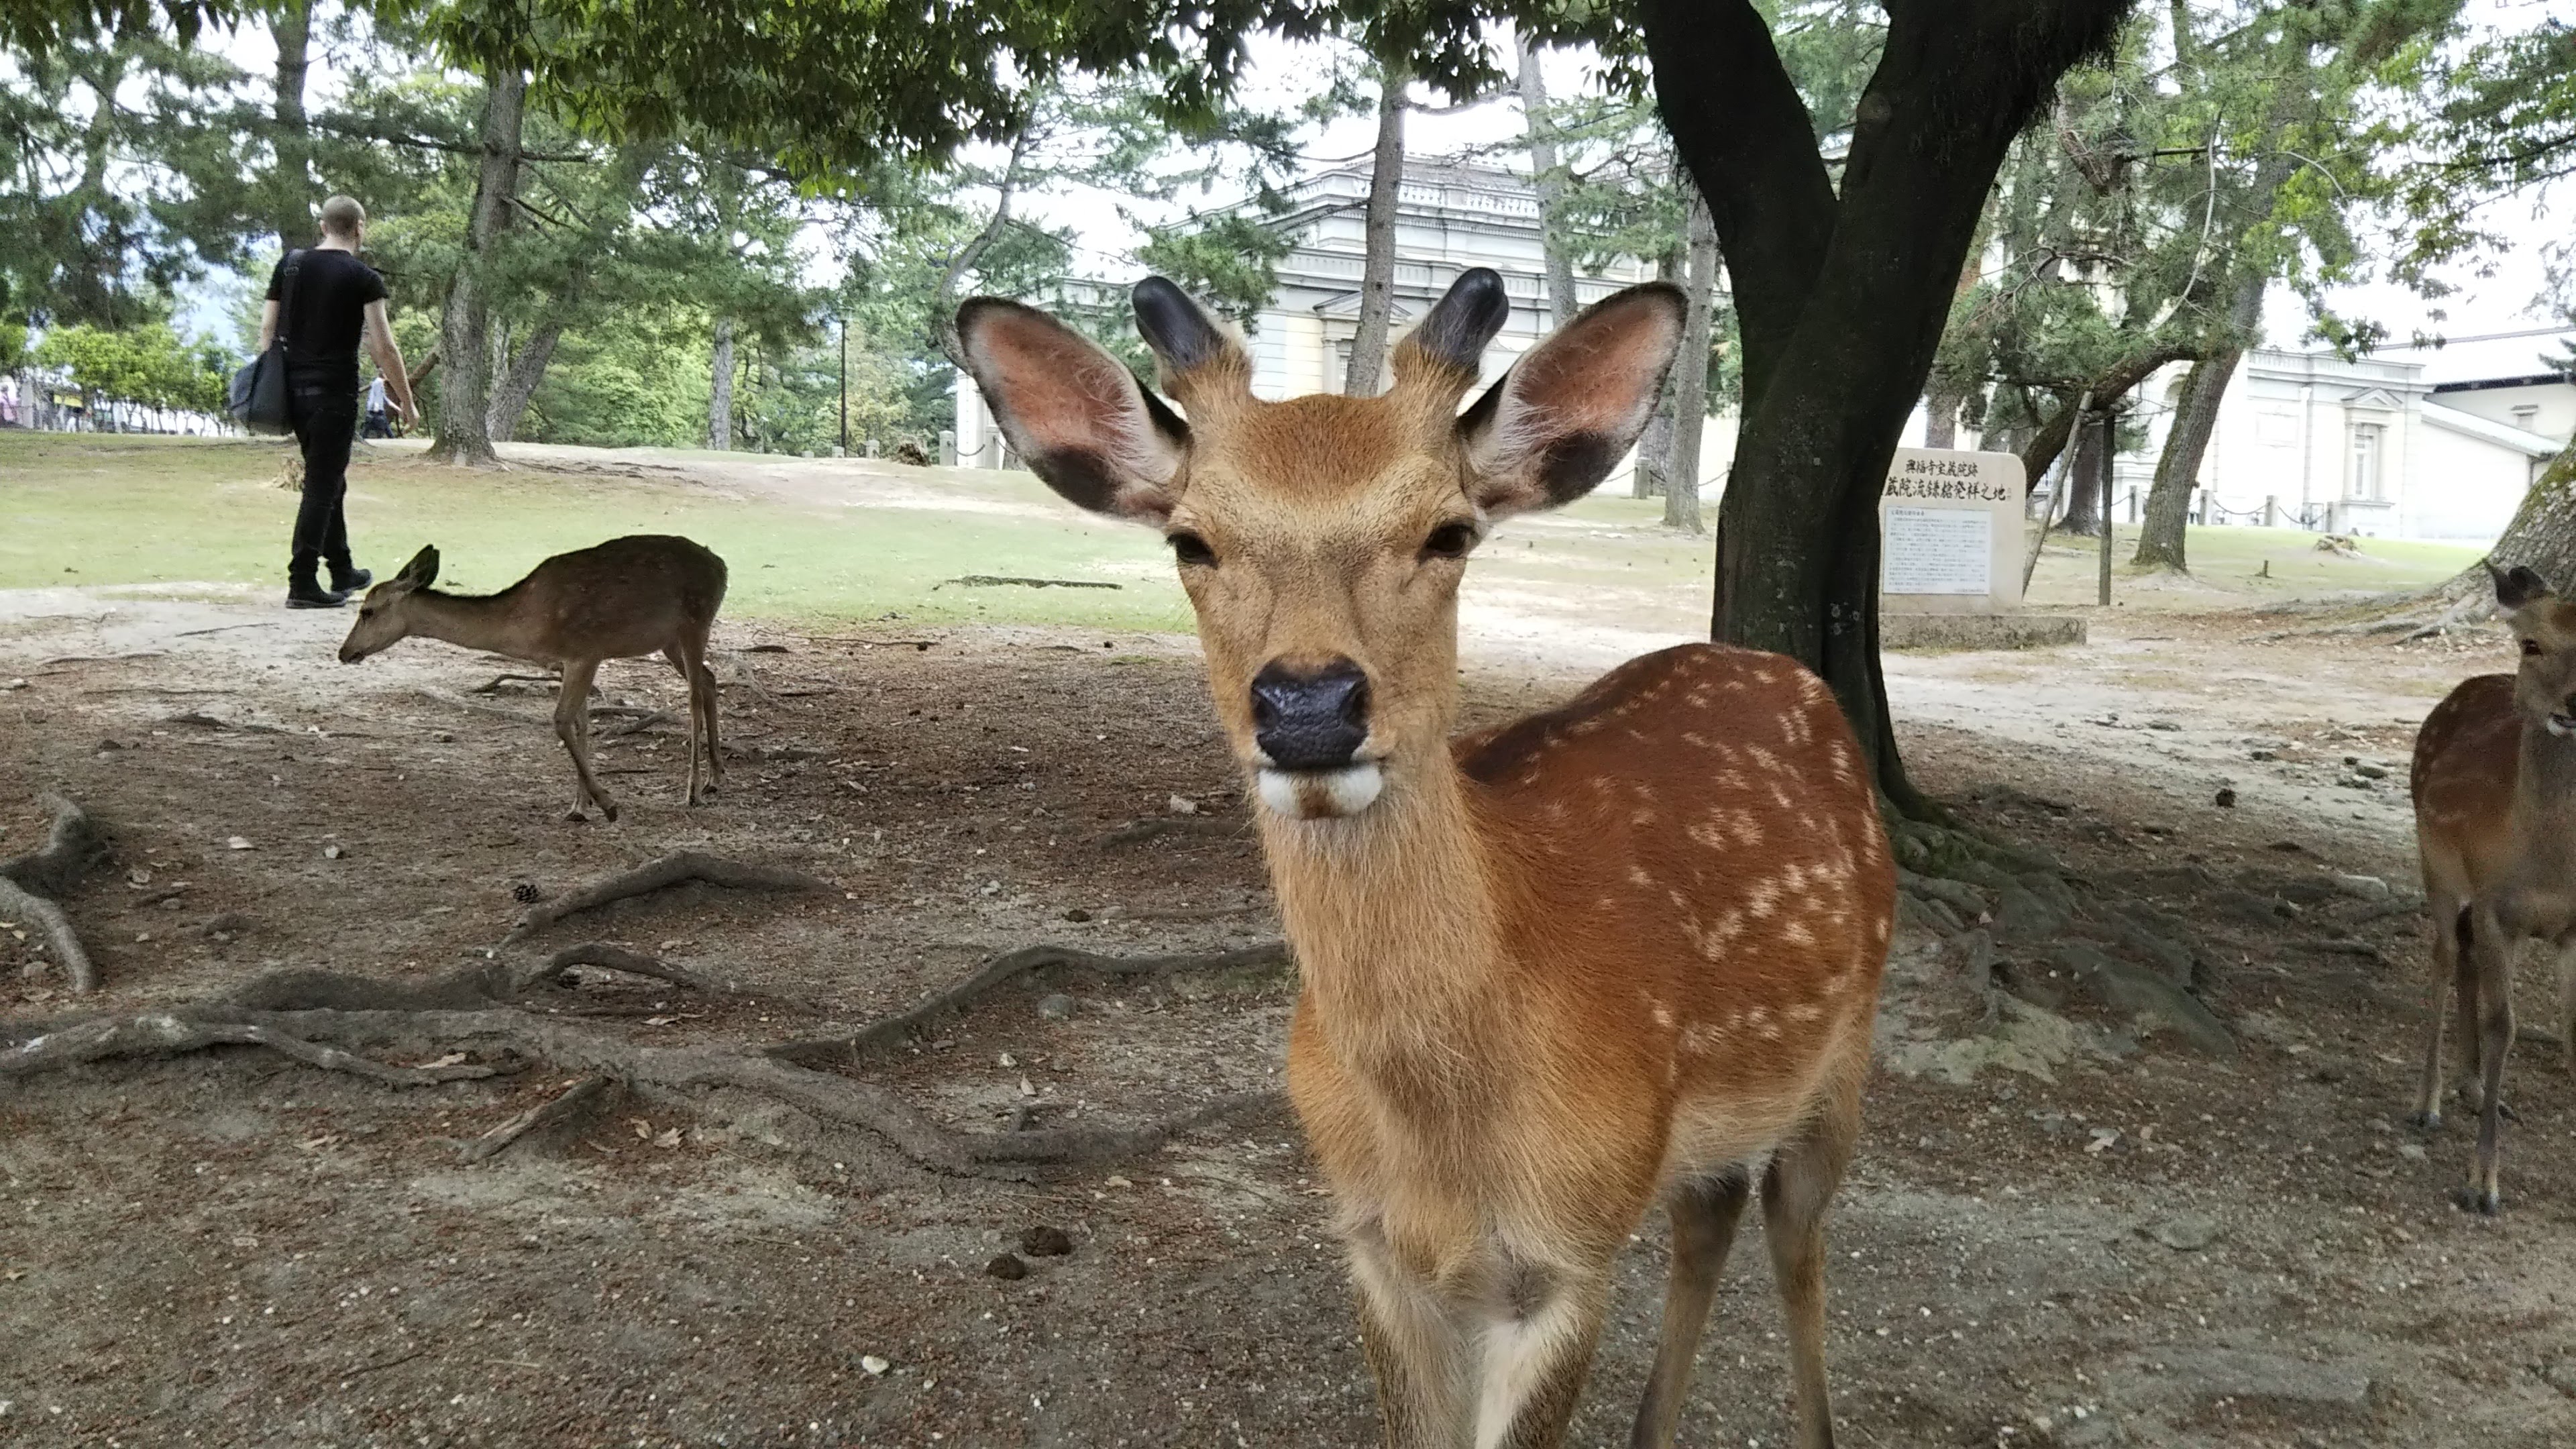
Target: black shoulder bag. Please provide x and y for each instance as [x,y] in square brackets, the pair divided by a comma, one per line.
[258,393]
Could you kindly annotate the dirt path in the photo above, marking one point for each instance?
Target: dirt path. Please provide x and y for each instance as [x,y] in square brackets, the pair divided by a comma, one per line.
[2111,1239]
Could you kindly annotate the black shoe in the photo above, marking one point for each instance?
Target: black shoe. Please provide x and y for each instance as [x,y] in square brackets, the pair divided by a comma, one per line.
[308,594]
[349,578]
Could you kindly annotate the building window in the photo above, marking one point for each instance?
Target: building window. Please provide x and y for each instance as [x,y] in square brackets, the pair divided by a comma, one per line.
[2526,416]
[2366,481]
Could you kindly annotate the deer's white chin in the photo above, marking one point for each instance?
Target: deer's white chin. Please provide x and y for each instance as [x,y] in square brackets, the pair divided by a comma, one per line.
[1322,794]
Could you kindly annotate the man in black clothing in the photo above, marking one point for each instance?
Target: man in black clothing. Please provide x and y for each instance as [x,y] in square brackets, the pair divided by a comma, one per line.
[324,301]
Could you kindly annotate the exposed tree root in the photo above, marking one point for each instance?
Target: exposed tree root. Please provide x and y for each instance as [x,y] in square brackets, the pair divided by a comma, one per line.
[28,884]
[19,905]
[1004,969]
[545,1114]
[314,1017]
[75,846]
[669,870]
[169,1033]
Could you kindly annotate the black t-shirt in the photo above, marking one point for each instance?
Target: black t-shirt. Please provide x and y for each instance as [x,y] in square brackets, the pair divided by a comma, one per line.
[332,290]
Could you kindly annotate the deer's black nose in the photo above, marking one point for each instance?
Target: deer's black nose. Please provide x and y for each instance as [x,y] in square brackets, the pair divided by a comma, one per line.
[1310,718]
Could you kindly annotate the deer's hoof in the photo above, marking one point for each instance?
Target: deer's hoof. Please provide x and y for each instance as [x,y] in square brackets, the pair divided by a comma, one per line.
[2425,1121]
[608,809]
[2485,1202]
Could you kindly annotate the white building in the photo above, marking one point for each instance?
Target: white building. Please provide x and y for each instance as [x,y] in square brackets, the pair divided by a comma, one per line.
[1451,215]
[2367,445]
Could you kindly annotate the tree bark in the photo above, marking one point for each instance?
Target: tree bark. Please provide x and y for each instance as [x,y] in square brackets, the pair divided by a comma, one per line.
[1690,374]
[1655,446]
[1377,267]
[290,207]
[1942,404]
[2542,535]
[720,389]
[2083,514]
[464,401]
[1548,176]
[2162,539]
[519,382]
[1841,299]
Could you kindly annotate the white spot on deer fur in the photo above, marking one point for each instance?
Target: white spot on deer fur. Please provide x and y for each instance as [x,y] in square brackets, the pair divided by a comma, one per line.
[1806,1011]
[1664,1016]
[1797,934]
[1761,899]
[1637,875]
[1765,676]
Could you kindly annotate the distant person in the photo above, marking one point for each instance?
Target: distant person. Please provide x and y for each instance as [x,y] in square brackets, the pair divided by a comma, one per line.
[339,301]
[376,426]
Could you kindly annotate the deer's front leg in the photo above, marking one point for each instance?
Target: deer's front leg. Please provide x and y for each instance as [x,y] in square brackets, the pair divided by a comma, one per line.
[2490,960]
[572,726]
[1415,1349]
[1540,1326]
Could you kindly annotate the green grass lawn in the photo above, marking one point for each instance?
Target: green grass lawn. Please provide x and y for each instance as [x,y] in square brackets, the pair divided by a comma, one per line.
[91,510]
[119,510]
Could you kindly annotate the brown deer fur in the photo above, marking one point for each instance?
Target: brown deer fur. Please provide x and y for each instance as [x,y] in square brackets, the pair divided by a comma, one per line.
[624,599]
[2495,821]
[1622,951]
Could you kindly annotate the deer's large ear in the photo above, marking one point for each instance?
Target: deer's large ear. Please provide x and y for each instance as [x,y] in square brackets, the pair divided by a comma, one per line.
[2516,586]
[1571,407]
[421,572]
[1073,411]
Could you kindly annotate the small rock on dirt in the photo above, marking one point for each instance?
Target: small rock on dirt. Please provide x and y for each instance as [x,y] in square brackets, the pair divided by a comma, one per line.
[2364,888]
[1077,915]
[2226,799]
[1008,1267]
[2188,1233]
[1055,1006]
[1046,1242]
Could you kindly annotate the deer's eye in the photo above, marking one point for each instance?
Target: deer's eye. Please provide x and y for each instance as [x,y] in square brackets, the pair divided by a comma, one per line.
[1191,550]
[2530,648]
[1449,540]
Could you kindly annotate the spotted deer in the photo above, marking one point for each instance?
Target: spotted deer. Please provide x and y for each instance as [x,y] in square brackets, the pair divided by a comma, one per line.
[624,599]
[1620,951]
[2495,821]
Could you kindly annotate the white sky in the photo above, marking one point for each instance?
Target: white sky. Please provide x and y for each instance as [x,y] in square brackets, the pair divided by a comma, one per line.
[2496,293]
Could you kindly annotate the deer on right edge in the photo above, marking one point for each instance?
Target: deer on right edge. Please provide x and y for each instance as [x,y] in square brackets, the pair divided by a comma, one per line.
[1622,951]
[2494,782]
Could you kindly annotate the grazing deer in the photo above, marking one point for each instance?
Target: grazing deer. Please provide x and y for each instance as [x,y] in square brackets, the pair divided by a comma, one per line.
[2495,821]
[1624,950]
[623,599]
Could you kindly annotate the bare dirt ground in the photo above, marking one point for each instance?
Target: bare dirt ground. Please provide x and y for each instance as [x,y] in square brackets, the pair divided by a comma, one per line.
[2063,1227]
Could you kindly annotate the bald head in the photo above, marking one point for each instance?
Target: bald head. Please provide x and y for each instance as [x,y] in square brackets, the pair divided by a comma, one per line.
[342,217]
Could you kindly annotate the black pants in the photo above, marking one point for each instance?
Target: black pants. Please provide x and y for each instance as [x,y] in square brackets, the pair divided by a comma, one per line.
[324,410]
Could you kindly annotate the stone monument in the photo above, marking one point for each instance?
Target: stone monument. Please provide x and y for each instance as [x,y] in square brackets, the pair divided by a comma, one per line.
[1951,549]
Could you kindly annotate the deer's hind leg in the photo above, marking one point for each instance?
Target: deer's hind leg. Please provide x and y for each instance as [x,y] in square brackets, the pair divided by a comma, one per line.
[572,726]
[1796,1190]
[2450,927]
[1705,1214]
[688,654]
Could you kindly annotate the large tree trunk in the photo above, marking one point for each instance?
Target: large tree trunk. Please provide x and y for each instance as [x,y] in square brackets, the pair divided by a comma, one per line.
[525,368]
[2542,535]
[519,382]
[2162,538]
[1690,374]
[1377,267]
[290,208]
[720,389]
[1841,299]
[1548,176]
[464,401]
[1655,447]
[2083,516]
